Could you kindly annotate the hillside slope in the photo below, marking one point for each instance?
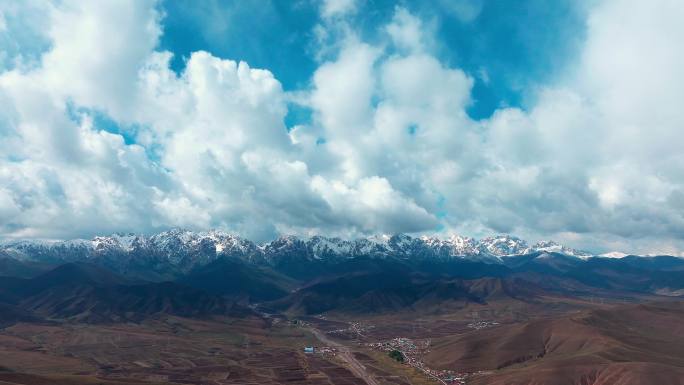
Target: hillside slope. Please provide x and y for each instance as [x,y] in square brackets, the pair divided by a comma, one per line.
[627,345]
[79,292]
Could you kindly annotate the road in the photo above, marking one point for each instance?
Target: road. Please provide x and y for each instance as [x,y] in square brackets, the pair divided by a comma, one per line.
[347,356]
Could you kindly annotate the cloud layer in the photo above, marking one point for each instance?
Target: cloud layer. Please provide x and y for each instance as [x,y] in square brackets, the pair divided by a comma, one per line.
[99,134]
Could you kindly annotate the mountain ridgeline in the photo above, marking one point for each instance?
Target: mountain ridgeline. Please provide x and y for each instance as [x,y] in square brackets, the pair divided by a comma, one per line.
[172,253]
[128,277]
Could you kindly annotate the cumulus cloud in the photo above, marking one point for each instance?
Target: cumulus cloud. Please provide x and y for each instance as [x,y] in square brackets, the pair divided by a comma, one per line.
[22,36]
[63,175]
[373,204]
[605,139]
[593,161]
[211,148]
[333,8]
[92,59]
[406,31]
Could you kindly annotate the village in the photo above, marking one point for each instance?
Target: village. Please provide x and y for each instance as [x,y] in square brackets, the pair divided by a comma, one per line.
[482,324]
[413,351]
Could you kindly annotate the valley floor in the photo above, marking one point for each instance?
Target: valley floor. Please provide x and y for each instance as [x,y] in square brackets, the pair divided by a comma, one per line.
[500,343]
[173,350]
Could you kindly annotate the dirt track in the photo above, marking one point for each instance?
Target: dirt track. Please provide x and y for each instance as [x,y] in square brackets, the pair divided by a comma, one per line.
[346,355]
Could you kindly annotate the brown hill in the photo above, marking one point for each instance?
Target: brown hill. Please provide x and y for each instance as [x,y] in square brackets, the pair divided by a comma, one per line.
[386,292]
[80,292]
[627,345]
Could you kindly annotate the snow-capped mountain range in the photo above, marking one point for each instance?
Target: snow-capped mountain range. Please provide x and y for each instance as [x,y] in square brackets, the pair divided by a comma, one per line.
[186,249]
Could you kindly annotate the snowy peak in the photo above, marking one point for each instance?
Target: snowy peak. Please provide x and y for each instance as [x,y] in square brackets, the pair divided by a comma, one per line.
[288,243]
[613,254]
[489,249]
[319,247]
[329,247]
[47,250]
[184,250]
[186,247]
[125,242]
[554,247]
[504,245]
[177,247]
[453,246]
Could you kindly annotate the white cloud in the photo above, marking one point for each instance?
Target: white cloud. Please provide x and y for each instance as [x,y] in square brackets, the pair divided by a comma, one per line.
[223,157]
[406,31]
[93,60]
[22,34]
[594,160]
[336,8]
[343,90]
[8,207]
[66,176]
[373,204]
[605,138]
[3,22]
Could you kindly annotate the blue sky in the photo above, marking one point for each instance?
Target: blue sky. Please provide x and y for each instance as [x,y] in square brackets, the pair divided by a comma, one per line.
[548,120]
[508,46]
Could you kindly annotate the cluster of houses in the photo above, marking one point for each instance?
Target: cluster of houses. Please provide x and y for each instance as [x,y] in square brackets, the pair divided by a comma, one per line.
[413,350]
[354,329]
[482,324]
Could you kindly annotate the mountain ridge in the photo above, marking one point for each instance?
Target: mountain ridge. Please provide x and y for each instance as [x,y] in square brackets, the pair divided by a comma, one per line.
[187,249]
